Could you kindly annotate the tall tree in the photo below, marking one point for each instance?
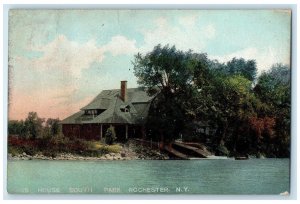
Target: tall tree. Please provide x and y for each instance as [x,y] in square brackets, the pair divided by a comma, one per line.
[174,73]
[273,88]
[33,125]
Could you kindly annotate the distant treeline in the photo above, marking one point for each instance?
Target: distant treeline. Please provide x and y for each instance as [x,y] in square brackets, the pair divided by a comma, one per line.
[34,127]
[249,114]
[36,135]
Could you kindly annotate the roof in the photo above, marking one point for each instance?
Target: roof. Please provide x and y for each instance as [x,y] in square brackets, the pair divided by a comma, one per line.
[138,103]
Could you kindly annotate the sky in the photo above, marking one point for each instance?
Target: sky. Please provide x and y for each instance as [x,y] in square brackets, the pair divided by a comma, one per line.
[59,60]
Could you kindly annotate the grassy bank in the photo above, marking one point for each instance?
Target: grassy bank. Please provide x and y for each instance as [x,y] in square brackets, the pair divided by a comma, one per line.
[51,147]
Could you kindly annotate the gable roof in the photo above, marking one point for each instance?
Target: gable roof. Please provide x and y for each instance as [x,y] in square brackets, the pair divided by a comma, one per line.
[138,101]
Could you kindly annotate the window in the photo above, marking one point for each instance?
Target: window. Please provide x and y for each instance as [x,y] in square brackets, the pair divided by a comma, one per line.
[125,108]
[94,111]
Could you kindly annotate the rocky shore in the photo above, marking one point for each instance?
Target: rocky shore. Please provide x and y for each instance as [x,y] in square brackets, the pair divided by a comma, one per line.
[130,151]
[73,157]
[69,156]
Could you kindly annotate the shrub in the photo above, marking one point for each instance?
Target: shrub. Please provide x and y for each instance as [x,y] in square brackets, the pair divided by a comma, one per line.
[14,151]
[110,135]
[111,148]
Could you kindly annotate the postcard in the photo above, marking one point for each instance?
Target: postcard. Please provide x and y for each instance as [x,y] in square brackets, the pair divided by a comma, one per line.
[149,102]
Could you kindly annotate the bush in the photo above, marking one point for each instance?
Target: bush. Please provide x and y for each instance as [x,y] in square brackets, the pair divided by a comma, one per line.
[110,135]
[14,151]
[111,149]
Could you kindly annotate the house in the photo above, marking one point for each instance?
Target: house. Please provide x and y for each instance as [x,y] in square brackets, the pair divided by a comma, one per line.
[125,109]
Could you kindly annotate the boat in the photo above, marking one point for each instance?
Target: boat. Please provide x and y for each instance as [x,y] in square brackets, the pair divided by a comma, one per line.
[241,158]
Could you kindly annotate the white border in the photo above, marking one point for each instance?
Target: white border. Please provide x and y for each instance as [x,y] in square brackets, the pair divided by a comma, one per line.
[154,4]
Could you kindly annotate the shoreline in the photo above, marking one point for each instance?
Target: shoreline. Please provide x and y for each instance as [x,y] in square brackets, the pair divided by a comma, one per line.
[74,157]
[107,157]
[130,151]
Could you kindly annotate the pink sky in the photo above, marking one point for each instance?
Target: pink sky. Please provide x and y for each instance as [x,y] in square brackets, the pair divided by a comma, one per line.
[46,105]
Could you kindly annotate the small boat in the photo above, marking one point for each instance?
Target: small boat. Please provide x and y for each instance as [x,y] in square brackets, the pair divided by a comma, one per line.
[241,158]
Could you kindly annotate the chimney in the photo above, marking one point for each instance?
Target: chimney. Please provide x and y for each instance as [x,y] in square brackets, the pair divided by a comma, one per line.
[123,90]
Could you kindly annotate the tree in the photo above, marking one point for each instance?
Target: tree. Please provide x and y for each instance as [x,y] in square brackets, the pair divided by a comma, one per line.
[16,127]
[245,68]
[172,73]
[232,104]
[273,88]
[192,88]
[33,125]
[53,126]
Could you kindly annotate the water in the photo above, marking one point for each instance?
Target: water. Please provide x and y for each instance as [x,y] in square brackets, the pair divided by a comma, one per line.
[254,176]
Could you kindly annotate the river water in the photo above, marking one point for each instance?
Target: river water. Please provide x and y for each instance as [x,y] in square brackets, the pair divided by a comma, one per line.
[253,176]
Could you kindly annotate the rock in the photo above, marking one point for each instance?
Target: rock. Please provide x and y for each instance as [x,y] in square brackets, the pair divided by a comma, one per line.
[108,157]
[24,154]
[286,193]
[123,154]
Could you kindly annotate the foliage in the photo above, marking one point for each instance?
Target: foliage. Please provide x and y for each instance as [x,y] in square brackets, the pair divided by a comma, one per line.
[52,127]
[46,138]
[242,67]
[173,73]
[33,125]
[111,148]
[59,144]
[273,88]
[110,135]
[249,114]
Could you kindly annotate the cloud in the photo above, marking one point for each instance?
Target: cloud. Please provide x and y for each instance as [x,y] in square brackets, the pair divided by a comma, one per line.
[185,35]
[188,21]
[73,57]
[120,45]
[209,31]
[63,54]
[49,84]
